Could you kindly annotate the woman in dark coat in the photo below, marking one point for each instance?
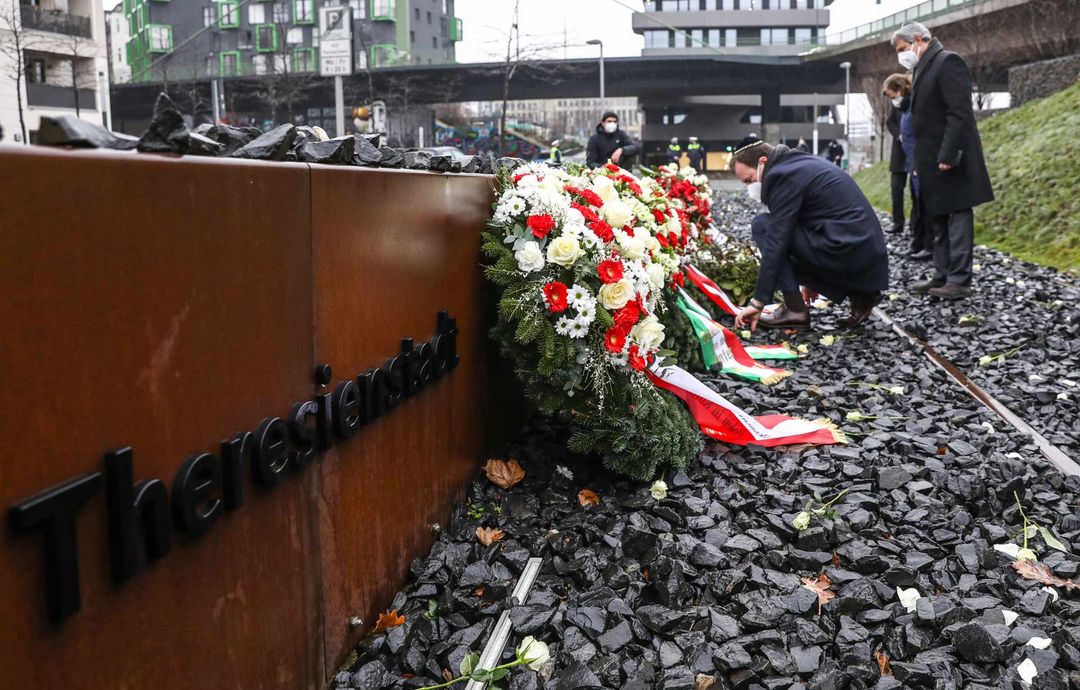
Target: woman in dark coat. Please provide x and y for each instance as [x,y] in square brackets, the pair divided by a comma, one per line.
[898,88]
[948,156]
[820,232]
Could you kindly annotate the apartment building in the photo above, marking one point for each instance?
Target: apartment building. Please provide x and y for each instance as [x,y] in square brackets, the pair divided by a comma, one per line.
[742,28]
[199,39]
[65,63]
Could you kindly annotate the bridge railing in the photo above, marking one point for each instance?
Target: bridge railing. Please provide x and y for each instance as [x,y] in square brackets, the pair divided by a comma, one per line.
[924,10]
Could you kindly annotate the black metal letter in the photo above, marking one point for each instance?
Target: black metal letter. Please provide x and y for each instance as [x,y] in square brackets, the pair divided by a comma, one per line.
[304,436]
[142,508]
[233,454]
[196,506]
[271,456]
[346,409]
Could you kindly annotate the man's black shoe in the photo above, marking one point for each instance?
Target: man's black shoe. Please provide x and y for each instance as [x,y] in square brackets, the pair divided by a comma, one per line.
[951,291]
[782,317]
[927,285]
[921,255]
[862,305]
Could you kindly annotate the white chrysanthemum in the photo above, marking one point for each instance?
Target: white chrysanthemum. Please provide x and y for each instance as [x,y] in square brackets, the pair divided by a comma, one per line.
[574,217]
[579,328]
[632,248]
[529,257]
[590,241]
[562,326]
[587,312]
[575,229]
[577,294]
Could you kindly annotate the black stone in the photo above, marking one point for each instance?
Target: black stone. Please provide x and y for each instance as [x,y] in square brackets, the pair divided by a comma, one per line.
[68,130]
[365,153]
[332,152]
[271,146]
[974,643]
[391,158]
[167,133]
[231,138]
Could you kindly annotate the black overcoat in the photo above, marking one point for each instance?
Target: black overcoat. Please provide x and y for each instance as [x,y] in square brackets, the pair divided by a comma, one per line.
[845,247]
[945,132]
[602,145]
[896,162]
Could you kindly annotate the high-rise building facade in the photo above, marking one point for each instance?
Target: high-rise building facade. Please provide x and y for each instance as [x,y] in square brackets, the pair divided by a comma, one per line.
[745,29]
[200,39]
[64,64]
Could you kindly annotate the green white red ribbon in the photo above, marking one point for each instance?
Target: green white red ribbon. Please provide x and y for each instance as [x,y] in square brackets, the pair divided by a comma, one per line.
[721,348]
[711,290]
[724,421]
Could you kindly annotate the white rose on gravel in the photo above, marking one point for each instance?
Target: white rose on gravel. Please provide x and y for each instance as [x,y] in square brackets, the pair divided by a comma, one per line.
[1039,642]
[616,213]
[1010,550]
[1009,616]
[529,257]
[1026,555]
[649,334]
[533,652]
[1052,592]
[801,521]
[907,598]
[616,295]
[658,489]
[656,275]
[564,250]
[1027,671]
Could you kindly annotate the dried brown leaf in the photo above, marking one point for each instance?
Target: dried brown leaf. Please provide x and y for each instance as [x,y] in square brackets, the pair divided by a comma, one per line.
[388,620]
[883,663]
[505,473]
[489,535]
[820,585]
[704,682]
[1040,572]
[447,675]
[587,497]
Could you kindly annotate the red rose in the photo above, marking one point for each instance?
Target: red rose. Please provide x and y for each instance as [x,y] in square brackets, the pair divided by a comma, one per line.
[602,230]
[611,270]
[659,216]
[637,362]
[627,316]
[612,167]
[634,187]
[555,296]
[615,340]
[678,279]
[541,225]
[663,241]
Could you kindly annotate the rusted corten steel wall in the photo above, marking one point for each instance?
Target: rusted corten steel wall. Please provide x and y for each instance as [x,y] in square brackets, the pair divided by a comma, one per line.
[167,305]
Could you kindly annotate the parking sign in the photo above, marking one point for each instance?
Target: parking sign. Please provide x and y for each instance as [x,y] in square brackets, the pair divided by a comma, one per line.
[335,41]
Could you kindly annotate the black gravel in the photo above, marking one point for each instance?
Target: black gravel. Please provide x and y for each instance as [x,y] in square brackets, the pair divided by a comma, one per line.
[704,586]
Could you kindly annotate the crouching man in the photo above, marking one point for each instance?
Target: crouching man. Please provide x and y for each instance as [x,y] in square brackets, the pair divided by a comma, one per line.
[820,233]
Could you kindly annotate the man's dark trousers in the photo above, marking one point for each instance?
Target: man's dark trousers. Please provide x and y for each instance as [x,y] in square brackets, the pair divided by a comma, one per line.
[954,239]
[899,181]
[792,273]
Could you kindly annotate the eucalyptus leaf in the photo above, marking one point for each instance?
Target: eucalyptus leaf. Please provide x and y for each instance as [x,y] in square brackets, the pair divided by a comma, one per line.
[468,664]
[499,674]
[1051,540]
[1030,531]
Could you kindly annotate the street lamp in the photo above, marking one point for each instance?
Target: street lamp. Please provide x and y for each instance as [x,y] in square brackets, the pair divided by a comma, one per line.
[598,42]
[846,66]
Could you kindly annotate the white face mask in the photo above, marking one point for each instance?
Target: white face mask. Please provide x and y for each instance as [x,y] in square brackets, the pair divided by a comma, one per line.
[908,59]
[610,127]
[754,190]
[897,101]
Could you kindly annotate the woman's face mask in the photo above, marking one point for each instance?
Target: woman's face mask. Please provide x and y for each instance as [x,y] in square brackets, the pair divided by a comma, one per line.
[610,127]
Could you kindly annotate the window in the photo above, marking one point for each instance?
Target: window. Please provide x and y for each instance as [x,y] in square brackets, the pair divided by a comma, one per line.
[657,38]
[382,55]
[680,39]
[160,38]
[412,36]
[731,38]
[429,18]
[383,9]
[304,11]
[774,37]
[359,8]
[260,64]
[230,63]
[803,36]
[208,16]
[266,38]
[673,118]
[434,42]
[281,12]
[35,72]
[416,13]
[442,27]
[697,38]
[256,14]
[228,15]
[714,37]
[294,35]
[303,60]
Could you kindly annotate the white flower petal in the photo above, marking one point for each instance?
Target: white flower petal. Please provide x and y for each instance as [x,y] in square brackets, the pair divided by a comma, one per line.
[1052,592]
[1039,642]
[1009,616]
[1027,670]
[908,598]
[1010,550]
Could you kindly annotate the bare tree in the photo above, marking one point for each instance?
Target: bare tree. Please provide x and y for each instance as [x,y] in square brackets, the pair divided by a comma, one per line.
[1052,28]
[13,49]
[287,79]
[983,56]
[77,49]
[881,108]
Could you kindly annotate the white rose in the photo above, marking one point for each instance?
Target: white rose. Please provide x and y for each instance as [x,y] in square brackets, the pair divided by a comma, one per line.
[615,295]
[616,213]
[659,489]
[632,248]
[533,652]
[574,217]
[802,521]
[564,250]
[605,188]
[673,225]
[528,182]
[529,257]
[656,275]
[648,334]
[653,245]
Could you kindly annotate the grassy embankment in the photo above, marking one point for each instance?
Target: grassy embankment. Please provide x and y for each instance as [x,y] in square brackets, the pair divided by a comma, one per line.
[1033,154]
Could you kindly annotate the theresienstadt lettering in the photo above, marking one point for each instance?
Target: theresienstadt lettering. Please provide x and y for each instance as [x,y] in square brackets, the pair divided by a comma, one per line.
[142,515]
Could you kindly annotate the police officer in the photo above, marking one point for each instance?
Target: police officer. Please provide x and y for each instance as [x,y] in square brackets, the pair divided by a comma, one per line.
[674,151]
[696,153]
[555,155]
